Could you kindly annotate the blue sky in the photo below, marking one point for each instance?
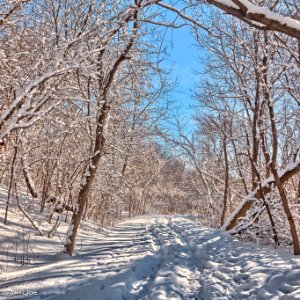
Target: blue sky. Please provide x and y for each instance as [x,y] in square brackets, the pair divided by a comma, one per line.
[183,59]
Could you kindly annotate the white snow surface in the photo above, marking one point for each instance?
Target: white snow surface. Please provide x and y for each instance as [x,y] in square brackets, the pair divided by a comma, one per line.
[158,257]
[148,257]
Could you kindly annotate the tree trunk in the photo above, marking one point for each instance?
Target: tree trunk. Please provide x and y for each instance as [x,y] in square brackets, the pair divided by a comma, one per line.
[287,211]
[28,179]
[88,179]
[226,183]
[247,202]
[102,120]
[12,173]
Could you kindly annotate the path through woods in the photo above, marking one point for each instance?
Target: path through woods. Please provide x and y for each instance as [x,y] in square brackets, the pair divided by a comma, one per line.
[161,257]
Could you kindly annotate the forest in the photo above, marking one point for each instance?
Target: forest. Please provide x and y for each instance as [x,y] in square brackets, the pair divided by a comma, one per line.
[88,129]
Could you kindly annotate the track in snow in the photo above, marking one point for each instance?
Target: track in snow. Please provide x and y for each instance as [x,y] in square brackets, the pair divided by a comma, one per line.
[177,276]
[163,258]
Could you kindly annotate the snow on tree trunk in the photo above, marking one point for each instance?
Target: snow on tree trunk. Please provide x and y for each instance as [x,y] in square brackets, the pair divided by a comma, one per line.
[247,202]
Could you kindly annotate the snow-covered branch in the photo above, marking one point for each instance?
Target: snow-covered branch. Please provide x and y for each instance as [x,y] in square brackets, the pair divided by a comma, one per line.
[285,174]
[259,17]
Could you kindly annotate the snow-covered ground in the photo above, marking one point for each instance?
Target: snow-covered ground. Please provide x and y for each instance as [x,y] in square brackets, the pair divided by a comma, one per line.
[147,257]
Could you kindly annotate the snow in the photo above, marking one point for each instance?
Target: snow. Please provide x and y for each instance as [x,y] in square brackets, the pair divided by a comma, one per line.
[255,9]
[147,257]
[229,3]
[289,167]
[264,11]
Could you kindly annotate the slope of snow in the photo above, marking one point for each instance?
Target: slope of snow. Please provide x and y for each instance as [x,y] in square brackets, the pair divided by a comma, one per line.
[158,257]
[148,257]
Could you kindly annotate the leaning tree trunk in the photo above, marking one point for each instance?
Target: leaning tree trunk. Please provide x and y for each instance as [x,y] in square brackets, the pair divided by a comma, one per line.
[272,163]
[104,85]
[12,173]
[265,188]
[288,212]
[28,179]
[88,179]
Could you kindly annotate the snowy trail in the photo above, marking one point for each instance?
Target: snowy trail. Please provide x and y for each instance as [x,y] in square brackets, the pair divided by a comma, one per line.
[157,257]
[177,276]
